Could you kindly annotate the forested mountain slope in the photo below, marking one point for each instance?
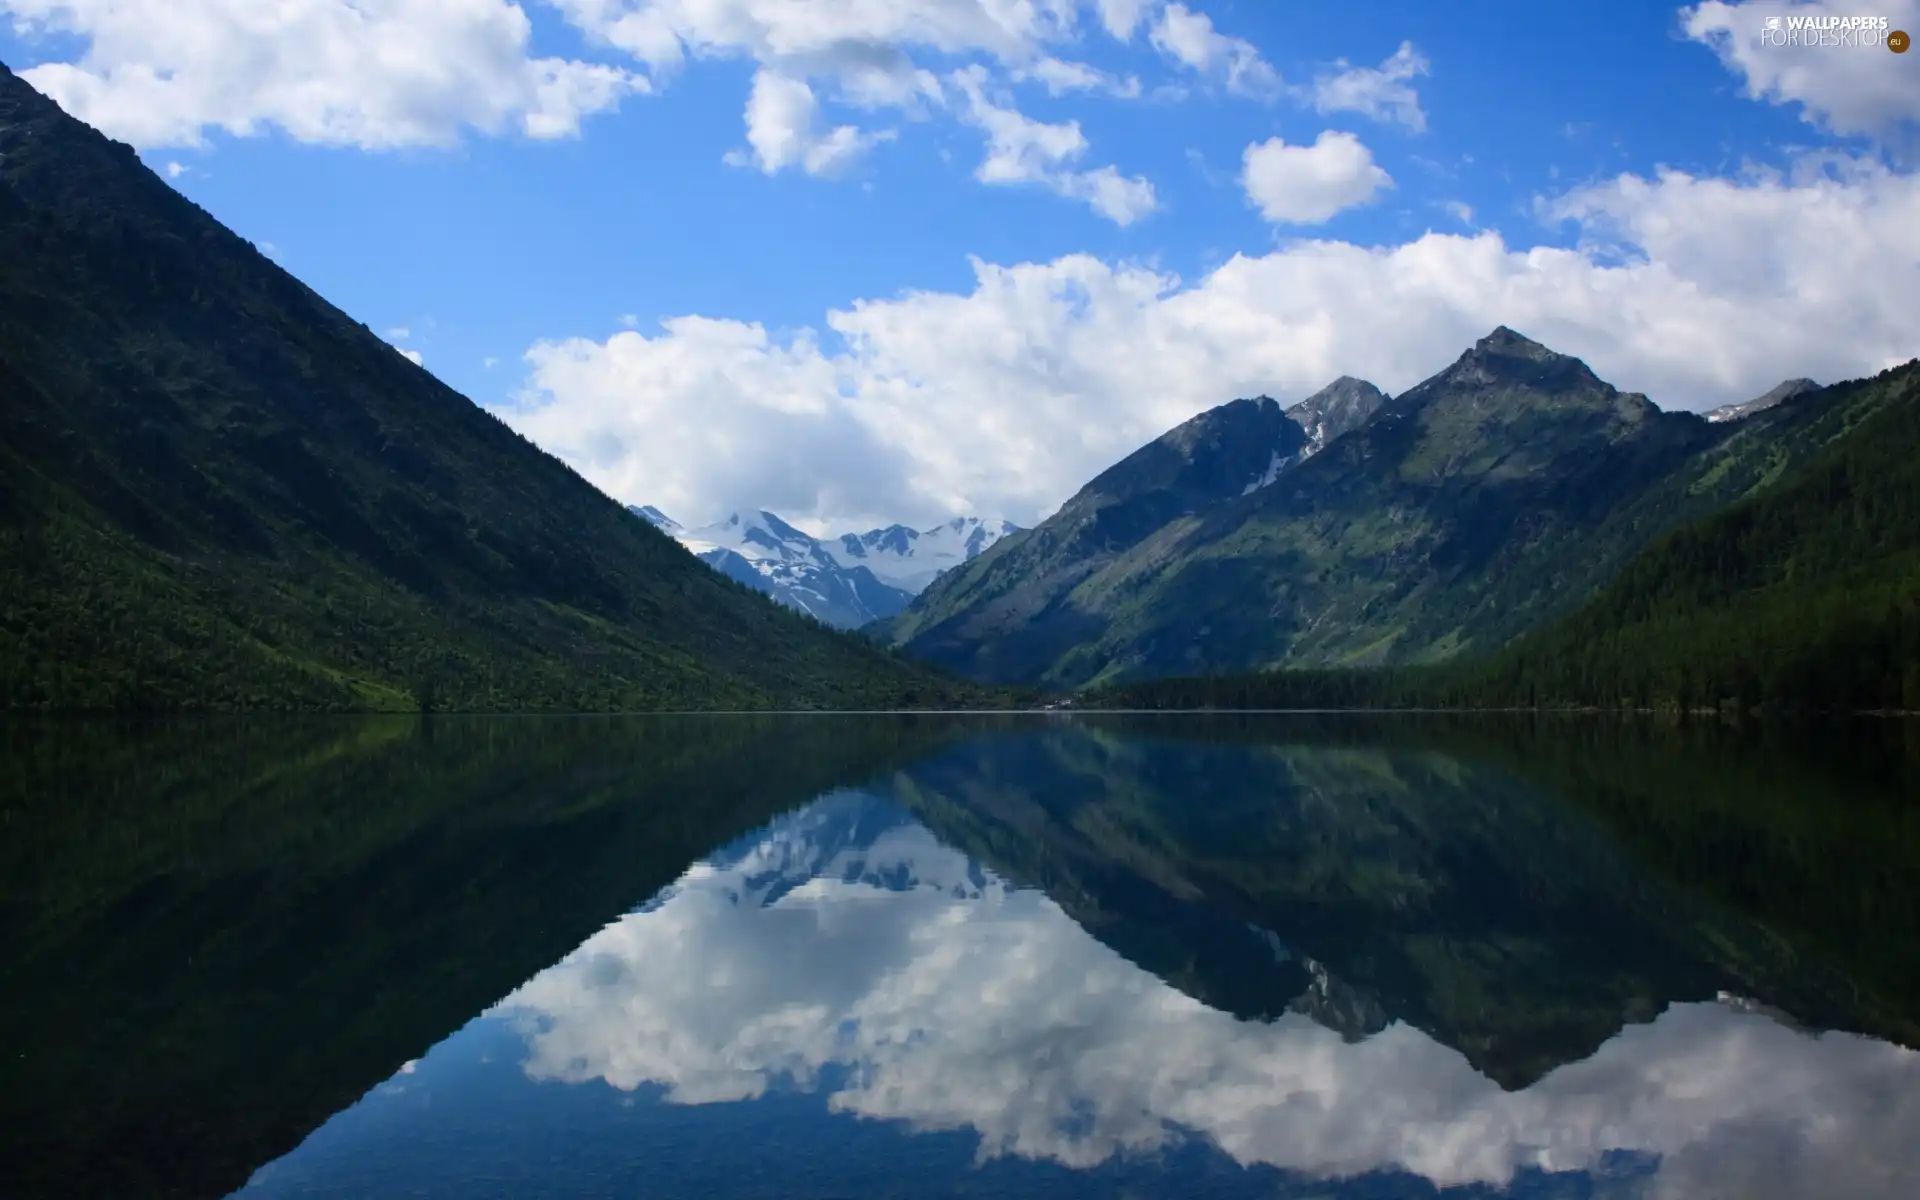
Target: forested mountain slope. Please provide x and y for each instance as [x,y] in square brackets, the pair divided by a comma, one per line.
[1460,513]
[1011,607]
[1487,502]
[217,491]
[1804,594]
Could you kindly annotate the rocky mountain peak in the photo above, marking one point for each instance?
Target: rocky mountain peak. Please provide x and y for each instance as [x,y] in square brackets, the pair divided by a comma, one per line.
[1509,343]
[1779,394]
[1506,359]
[1340,407]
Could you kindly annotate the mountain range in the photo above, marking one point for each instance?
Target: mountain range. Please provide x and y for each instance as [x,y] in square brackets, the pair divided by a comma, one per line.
[847,581]
[1797,591]
[1010,608]
[218,491]
[1488,501]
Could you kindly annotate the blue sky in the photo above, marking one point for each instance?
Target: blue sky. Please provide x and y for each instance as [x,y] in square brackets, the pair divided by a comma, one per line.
[401,157]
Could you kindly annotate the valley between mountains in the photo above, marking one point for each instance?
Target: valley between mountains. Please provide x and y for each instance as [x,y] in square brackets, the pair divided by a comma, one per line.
[219,492]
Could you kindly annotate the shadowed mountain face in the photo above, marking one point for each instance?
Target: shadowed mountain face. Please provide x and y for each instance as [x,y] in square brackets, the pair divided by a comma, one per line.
[219,491]
[1798,590]
[220,934]
[991,617]
[1491,498]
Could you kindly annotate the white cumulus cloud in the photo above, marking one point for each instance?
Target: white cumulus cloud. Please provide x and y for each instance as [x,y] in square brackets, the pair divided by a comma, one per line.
[1189,37]
[782,129]
[1846,89]
[368,73]
[829,79]
[1305,185]
[876,55]
[1122,17]
[744,412]
[1005,397]
[1062,77]
[1385,92]
[1023,150]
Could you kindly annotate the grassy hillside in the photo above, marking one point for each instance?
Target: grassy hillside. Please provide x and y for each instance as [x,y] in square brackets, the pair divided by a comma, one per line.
[1803,594]
[217,491]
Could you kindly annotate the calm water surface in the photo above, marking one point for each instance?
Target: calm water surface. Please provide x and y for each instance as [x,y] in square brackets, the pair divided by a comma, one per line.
[1179,956]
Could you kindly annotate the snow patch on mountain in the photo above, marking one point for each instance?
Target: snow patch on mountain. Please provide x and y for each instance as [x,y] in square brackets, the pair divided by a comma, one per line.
[765,553]
[911,559]
[1278,463]
[1779,394]
[1335,410]
[849,581]
[655,517]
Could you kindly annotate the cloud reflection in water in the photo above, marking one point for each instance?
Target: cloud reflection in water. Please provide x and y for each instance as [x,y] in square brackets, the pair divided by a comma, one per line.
[913,986]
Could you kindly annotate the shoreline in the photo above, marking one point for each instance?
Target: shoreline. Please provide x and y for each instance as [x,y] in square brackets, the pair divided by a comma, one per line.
[7,715]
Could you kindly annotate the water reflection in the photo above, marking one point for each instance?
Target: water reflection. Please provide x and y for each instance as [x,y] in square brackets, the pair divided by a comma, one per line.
[219,933]
[846,953]
[980,956]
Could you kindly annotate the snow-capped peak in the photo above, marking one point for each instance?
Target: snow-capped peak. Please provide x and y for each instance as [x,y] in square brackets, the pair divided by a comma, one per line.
[847,581]
[911,559]
[755,535]
[655,517]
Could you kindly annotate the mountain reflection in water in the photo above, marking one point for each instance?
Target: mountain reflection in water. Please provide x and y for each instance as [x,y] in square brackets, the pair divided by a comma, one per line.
[993,957]
[932,993]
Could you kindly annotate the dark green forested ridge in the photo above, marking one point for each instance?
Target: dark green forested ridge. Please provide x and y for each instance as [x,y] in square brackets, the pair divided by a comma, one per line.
[1493,498]
[1803,595]
[217,491]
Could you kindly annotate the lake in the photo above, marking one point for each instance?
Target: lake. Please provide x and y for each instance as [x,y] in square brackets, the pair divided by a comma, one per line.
[985,956]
